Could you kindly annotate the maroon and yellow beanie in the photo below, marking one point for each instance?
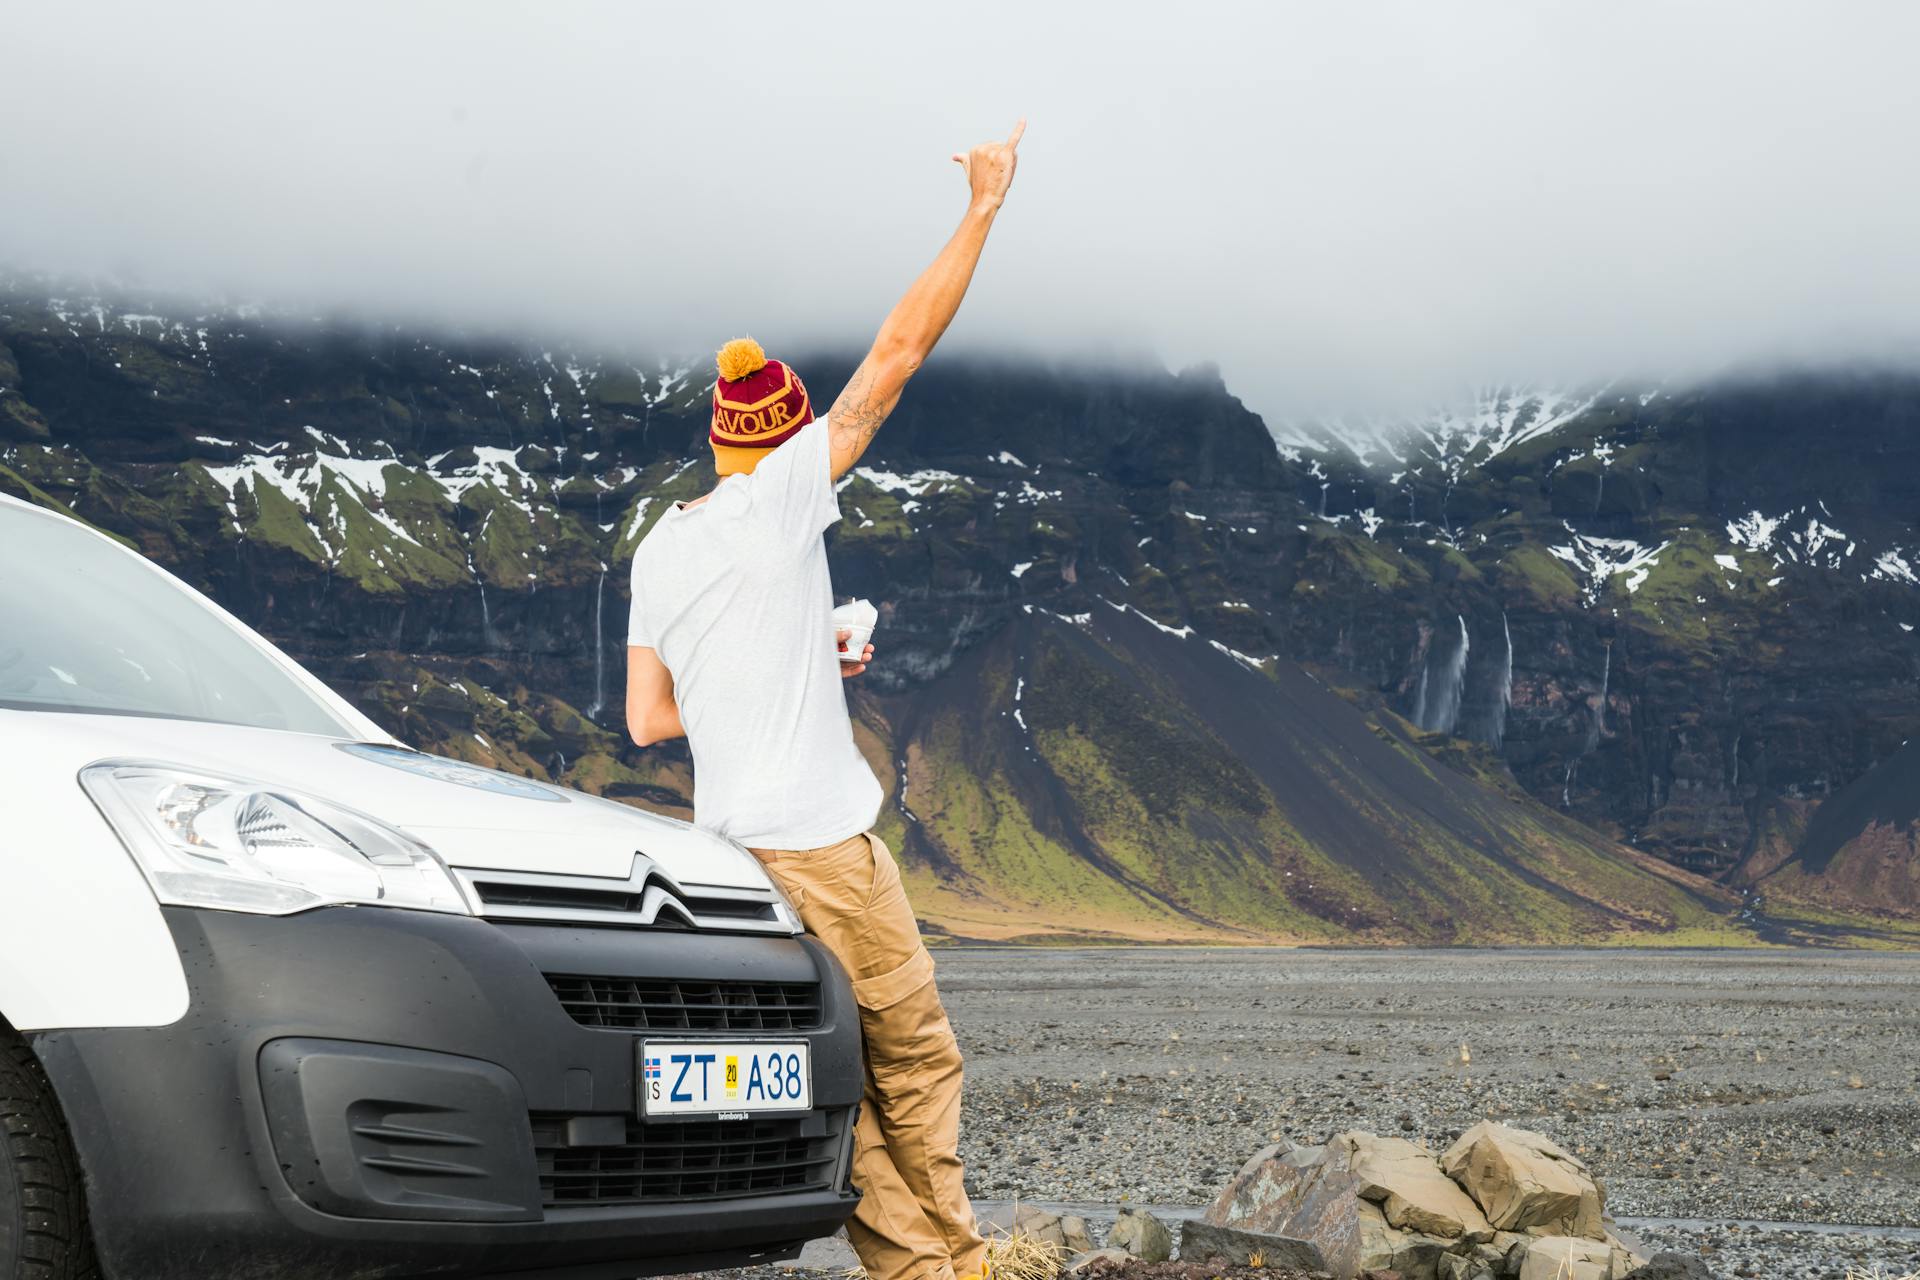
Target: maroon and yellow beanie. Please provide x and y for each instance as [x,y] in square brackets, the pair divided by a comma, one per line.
[757,403]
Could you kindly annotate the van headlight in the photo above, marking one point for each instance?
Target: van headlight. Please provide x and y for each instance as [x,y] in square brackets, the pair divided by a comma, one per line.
[209,840]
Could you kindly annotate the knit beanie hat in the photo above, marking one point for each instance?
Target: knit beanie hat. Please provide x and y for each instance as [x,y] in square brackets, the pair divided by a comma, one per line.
[757,403]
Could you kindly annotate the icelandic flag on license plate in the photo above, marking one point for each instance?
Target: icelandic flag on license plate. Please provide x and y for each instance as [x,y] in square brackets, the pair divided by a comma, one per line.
[652,1066]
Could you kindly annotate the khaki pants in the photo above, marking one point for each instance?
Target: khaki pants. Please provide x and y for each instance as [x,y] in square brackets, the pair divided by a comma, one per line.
[914,1220]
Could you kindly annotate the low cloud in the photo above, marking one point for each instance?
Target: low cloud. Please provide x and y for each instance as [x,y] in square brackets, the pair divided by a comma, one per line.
[1346,207]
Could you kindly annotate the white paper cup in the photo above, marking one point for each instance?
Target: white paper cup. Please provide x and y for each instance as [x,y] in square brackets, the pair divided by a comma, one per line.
[857,619]
[855,644]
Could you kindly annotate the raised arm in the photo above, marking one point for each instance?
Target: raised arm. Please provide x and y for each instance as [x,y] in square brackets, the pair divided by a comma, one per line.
[919,318]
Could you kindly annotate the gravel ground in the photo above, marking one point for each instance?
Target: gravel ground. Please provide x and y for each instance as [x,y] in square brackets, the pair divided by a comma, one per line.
[1732,1250]
[1697,1085]
[1720,1085]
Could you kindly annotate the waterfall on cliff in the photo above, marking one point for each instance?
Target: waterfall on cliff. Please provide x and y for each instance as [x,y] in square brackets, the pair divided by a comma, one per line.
[1455,680]
[1324,486]
[1505,697]
[1437,706]
[486,618]
[599,647]
[1595,728]
[1600,712]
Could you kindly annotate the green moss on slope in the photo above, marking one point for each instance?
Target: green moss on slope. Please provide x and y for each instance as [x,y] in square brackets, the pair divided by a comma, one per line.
[1530,569]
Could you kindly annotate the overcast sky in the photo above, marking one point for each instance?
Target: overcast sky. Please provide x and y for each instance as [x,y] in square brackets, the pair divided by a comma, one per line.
[1343,205]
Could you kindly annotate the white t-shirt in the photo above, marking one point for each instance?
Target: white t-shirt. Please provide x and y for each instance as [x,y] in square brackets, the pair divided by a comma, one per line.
[735,597]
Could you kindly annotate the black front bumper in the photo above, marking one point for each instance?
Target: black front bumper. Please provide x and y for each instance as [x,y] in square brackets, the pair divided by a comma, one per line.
[358,1092]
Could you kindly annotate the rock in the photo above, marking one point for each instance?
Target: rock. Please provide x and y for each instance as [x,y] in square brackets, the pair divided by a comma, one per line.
[1200,1241]
[1672,1266]
[1339,1197]
[1524,1182]
[1073,1229]
[1623,1259]
[1372,1244]
[1142,1235]
[1379,1245]
[1418,1257]
[1026,1220]
[1404,1180]
[1567,1258]
[1455,1266]
[1624,1239]
[1491,1258]
[1082,1261]
[1307,1193]
[1042,1226]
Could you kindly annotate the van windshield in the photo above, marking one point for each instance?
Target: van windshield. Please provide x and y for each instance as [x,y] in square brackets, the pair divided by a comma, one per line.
[84,626]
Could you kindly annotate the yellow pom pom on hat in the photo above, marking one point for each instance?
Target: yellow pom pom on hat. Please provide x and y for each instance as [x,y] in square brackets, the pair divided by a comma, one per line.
[740,358]
[757,404]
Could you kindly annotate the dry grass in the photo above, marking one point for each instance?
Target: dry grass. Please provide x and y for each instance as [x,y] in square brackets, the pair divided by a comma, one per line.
[1009,1257]
[1022,1257]
[1877,1274]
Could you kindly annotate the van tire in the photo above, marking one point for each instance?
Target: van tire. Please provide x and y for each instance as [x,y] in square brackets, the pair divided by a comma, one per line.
[43,1203]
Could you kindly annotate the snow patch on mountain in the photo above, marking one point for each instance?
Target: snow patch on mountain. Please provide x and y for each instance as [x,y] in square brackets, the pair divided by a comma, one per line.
[1893,566]
[301,477]
[914,484]
[639,518]
[1494,420]
[1178,633]
[1601,560]
[1244,659]
[492,465]
[1803,536]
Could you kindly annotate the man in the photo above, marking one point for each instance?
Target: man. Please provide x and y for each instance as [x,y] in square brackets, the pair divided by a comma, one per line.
[731,643]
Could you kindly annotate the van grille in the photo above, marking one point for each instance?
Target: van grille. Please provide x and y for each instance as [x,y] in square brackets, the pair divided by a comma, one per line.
[684,1160]
[642,899]
[562,901]
[656,1004]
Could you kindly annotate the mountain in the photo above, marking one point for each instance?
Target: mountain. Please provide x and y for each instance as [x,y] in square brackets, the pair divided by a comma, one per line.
[1543,668]
[1861,851]
[1723,582]
[1101,773]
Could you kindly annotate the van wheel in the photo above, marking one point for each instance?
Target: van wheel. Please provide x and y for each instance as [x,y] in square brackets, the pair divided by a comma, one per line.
[43,1206]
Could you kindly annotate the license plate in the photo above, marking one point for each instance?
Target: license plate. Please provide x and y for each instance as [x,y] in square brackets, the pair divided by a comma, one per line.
[680,1077]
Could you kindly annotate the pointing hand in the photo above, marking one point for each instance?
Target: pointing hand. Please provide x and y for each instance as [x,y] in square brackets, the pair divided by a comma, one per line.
[990,167]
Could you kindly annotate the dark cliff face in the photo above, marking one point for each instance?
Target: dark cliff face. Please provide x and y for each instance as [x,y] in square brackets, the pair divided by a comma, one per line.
[1862,848]
[1709,594]
[1677,617]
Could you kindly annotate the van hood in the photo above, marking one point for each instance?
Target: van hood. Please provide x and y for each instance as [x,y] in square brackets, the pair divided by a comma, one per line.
[471,816]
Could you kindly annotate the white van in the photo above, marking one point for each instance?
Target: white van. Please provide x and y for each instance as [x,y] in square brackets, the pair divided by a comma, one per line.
[281,997]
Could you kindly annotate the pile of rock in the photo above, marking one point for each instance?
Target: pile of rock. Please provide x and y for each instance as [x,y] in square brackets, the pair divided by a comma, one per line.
[1499,1204]
[1136,1236]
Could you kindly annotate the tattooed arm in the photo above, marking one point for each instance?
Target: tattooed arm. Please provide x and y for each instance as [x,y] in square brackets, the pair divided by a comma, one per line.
[919,318]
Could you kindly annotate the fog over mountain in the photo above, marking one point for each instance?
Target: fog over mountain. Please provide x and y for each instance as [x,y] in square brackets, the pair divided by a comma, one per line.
[1348,208]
